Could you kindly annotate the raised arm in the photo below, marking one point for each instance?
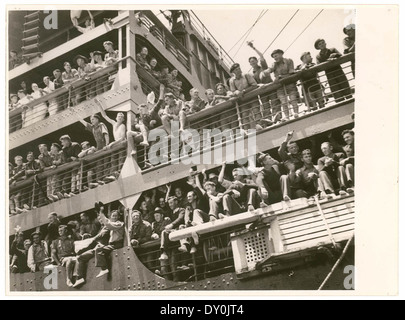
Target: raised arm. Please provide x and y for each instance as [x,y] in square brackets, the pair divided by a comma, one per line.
[79,118]
[222,173]
[93,25]
[282,151]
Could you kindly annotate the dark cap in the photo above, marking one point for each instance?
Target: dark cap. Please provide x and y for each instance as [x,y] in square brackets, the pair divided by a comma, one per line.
[277,51]
[65,136]
[304,54]
[349,27]
[62,226]
[234,66]
[262,157]
[317,43]
[57,145]
[13,95]
[97,53]
[96,116]
[80,57]
[36,233]
[159,210]
[107,42]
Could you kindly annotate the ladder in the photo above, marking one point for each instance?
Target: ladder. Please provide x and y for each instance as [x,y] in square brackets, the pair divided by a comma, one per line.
[30,48]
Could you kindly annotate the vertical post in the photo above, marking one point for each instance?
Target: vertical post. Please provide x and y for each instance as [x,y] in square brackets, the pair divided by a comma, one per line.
[305,95]
[120,46]
[33,195]
[239,116]
[80,182]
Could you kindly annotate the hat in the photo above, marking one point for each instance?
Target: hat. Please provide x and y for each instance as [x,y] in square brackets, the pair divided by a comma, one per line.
[65,136]
[56,70]
[80,57]
[107,43]
[96,116]
[13,95]
[172,198]
[159,210]
[348,27]
[277,51]
[52,214]
[219,84]
[234,66]
[262,157]
[36,233]
[97,53]
[317,43]
[304,54]
[27,241]
[57,145]
[62,226]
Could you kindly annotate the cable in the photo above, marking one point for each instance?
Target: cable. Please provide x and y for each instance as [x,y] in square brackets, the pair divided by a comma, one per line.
[292,17]
[303,30]
[248,31]
[248,34]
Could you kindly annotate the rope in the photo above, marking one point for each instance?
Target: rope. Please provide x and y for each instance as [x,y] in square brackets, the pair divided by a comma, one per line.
[303,30]
[324,221]
[292,17]
[337,263]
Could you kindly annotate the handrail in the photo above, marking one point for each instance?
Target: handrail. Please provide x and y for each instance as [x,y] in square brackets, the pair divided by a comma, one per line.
[68,166]
[271,87]
[65,89]
[149,14]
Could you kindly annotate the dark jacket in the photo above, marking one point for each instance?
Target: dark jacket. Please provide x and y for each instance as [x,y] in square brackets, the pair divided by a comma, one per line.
[141,232]
[72,151]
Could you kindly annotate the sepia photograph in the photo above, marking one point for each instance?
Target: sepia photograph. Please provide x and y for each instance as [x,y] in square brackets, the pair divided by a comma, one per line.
[196,148]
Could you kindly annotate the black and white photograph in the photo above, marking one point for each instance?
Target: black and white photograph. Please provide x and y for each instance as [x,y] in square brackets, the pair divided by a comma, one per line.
[202,149]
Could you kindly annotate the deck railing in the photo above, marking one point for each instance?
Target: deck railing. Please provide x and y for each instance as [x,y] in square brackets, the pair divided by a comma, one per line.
[70,95]
[165,37]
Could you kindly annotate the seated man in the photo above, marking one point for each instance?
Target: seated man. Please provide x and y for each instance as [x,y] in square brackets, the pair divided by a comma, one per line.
[331,173]
[149,120]
[240,84]
[88,228]
[140,231]
[348,162]
[173,112]
[178,214]
[38,254]
[290,154]
[271,186]
[311,87]
[63,253]
[159,224]
[213,197]
[110,238]
[307,179]
[239,196]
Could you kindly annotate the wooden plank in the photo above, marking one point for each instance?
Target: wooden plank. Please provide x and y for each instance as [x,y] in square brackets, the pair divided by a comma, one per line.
[317,229]
[317,223]
[325,207]
[319,234]
[310,220]
[333,210]
[342,236]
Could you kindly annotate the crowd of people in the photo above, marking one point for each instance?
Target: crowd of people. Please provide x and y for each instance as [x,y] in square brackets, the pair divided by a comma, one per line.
[206,196]
[203,196]
[68,184]
[170,106]
[63,78]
